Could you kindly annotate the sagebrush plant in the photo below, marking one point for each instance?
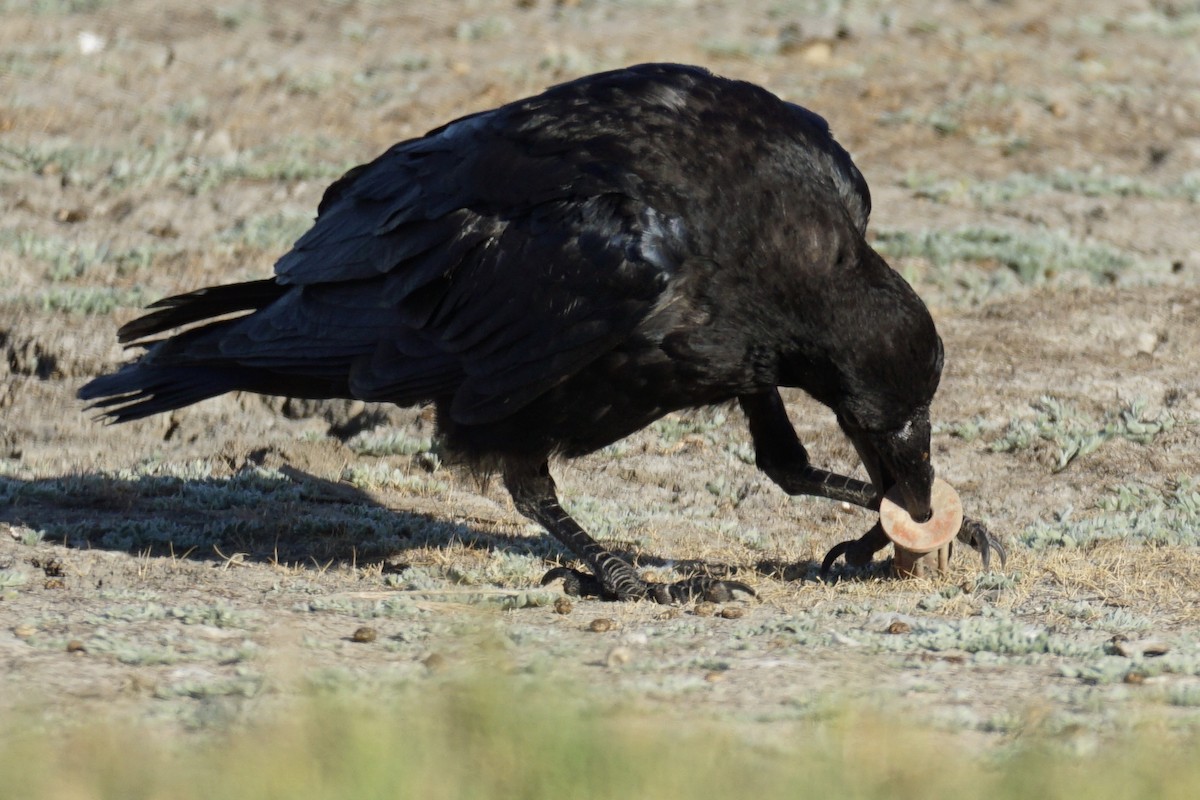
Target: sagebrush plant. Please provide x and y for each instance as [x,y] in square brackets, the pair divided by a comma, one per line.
[1075,434]
[1030,257]
[83,300]
[391,442]
[1131,512]
[171,161]
[1020,185]
[67,259]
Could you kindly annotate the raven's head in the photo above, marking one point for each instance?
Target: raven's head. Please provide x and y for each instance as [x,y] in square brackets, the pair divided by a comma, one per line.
[890,374]
[864,344]
[898,456]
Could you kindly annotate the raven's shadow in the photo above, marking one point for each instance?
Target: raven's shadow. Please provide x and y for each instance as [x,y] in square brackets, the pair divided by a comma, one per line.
[286,516]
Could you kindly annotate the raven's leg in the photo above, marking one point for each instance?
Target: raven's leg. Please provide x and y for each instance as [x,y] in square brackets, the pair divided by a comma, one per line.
[534,494]
[780,455]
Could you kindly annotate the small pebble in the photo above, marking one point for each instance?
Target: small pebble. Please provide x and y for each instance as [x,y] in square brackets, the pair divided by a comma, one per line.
[670,613]
[563,606]
[54,583]
[1135,678]
[435,662]
[602,625]
[899,627]
[705,609]
[733,612]
[714,676]
[618,657]
[70,215]
[24,631]
[76,646]
[364,635]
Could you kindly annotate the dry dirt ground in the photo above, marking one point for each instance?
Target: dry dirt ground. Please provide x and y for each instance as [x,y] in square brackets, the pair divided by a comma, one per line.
[1036,173]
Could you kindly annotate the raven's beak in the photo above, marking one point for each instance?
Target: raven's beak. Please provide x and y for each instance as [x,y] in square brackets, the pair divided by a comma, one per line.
[900,458]
[916,489]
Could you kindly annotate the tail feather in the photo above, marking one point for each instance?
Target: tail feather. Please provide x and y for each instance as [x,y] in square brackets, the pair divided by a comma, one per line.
[202,304]
[140,390]
[136,391]
[185,368]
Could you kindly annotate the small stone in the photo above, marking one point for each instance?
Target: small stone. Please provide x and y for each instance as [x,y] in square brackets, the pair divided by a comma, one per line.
[733,612]
[435,662]
[1135,678]
[70,216]
[705,609]
[1147,341]
[76,646]
[217,144]
[618,657]
[817,52]
[602,625]
[670,613]
[714,676]
[563,606]
[24,631]
[364,635]
[54,583]
[90,43]
[899,627]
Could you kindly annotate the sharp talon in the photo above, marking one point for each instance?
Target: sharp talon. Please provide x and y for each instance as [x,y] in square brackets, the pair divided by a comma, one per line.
[858,552]
[575,583]
[556,574]
[976,534]
[722,591]
[663,594]
[836,552]
[1000,551]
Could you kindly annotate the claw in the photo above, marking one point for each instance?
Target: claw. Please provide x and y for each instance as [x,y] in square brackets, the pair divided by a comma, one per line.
[975,534]
[858,552]
[576,583]
[699,587]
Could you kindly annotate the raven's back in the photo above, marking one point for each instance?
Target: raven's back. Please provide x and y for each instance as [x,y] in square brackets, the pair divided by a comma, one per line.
[543,271]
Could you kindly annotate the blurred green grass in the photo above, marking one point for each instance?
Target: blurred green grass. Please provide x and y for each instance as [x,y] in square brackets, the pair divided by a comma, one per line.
[500,737]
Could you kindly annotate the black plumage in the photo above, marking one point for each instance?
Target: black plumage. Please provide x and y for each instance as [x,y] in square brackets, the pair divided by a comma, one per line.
[557,273]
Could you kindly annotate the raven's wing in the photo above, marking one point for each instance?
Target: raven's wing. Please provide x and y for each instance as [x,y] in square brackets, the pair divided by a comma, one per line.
[479,262]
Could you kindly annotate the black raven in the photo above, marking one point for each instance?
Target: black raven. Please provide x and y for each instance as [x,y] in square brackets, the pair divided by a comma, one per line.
[556,273]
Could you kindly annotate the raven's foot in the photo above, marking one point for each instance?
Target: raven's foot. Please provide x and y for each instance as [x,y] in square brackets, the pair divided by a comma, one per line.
[860,552]
[629,586]
[975,534]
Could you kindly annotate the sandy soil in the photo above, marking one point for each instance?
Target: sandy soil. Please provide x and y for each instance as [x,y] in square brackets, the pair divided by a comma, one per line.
[209,566]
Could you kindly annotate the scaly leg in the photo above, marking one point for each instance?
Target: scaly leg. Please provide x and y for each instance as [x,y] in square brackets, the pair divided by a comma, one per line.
[780,455]
[533,491]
